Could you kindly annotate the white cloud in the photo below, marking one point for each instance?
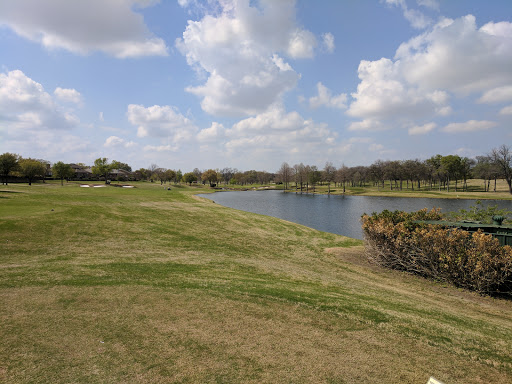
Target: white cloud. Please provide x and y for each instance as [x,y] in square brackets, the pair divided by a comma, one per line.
[84,26]
[432,4]
[506,110]
[114,141]
[328,42]
[497,95]
[458,57]
[160,148]
[416,18]
[277,132]
[376,147]
[212,134]
[163,122]
[453,59]
[25,105]
[325,98]
[384,92]
[469,126]
[241,50]
[302,44]
[422,129]
[68,95]
[366,125]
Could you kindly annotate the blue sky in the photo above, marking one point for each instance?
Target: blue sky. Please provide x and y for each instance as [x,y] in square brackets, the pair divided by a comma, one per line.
[250,84]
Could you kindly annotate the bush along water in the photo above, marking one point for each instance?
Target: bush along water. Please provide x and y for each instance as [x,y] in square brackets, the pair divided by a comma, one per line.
[473,261]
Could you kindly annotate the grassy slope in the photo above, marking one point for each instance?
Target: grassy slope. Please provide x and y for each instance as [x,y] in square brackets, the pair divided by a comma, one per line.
[115,285]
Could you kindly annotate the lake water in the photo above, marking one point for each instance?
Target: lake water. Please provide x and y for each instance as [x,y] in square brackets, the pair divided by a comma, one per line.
[335,214]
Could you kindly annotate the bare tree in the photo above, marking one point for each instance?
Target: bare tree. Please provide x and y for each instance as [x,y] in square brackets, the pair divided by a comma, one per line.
[285,174]
[328,174]
[502,158]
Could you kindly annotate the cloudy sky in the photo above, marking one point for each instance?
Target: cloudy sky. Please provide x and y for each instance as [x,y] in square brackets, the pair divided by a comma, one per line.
[252,83]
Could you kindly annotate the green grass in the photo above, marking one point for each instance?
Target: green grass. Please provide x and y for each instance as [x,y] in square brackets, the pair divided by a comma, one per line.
[109,285]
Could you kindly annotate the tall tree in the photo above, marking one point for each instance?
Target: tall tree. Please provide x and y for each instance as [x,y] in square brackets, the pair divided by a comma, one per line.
[210,176]
[189,177]
[285,174]
[118,165]
[328,174]
[170,175]
[101,168]
[31,169]
[502,158]
[452,164]
[8,164]
[62,171]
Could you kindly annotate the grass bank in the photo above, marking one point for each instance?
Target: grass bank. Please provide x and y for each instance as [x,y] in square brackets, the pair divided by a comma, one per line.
[109,285]
[475,190]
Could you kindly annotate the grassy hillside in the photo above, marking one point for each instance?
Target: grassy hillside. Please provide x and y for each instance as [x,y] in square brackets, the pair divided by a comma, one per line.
[109,285]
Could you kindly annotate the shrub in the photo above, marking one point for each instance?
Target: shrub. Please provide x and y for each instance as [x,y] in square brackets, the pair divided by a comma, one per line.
[473,261]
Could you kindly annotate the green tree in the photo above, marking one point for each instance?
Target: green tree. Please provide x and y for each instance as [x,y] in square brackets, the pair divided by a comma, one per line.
[8,164]
[210,176]
[101,168]
[31,169]
[118,165]
[452,164]
[189,177]
[62,171]
[178,177]
[170,175]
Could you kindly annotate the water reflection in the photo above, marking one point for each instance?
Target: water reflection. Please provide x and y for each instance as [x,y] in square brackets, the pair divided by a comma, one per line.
[335,214]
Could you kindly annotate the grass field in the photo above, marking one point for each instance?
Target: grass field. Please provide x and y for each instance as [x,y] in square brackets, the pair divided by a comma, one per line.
[117,285]
[475,190]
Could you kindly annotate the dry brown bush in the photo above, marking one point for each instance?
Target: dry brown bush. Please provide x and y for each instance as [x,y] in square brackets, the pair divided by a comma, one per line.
[474,261]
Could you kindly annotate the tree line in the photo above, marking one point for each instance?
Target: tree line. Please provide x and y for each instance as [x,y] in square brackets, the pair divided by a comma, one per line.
[437,172]
[440,172]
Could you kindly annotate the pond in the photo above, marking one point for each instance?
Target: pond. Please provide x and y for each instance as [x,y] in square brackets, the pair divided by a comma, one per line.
[335,213]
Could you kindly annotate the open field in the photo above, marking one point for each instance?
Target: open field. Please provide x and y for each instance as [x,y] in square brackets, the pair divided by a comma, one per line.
[109,285]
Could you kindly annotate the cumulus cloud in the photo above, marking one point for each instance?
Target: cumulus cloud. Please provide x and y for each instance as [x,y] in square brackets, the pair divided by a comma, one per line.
[212,134]
[366,125]
[453,59]
[279,132]
[328,42]
[422,129]
[164,122]
[384,92]
[469,126]
[68,95]
[81,27]
[241,48]
[497,95]
[416,18]
[506,110]
[458,56]
[24,104]
[114,141]
[325,98]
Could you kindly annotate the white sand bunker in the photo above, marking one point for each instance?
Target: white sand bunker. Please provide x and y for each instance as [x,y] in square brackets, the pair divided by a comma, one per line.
[128,186]
[92,185]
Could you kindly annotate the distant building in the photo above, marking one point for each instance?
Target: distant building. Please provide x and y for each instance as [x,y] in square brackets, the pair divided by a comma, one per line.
[81,173]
